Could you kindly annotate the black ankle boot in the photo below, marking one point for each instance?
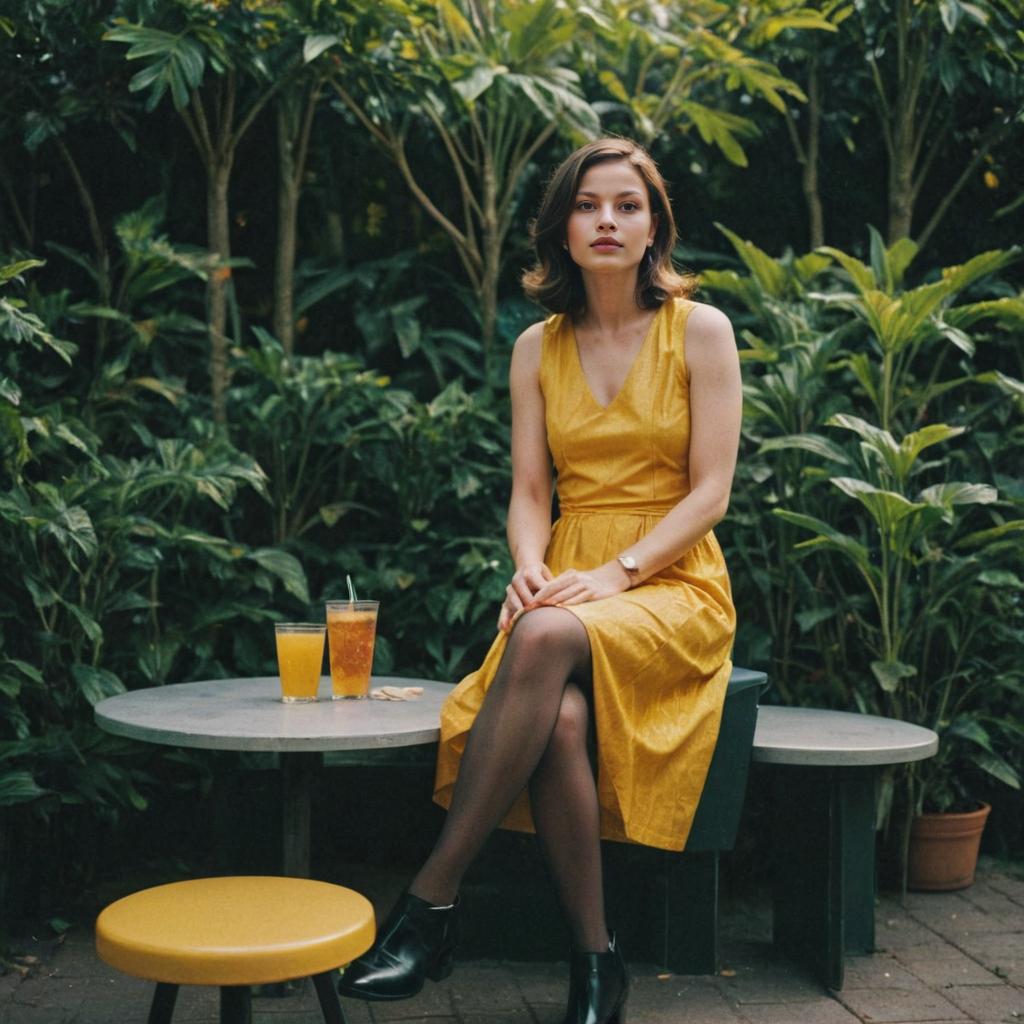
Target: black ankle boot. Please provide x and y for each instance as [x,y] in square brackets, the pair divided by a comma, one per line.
[598,986]
[416,942]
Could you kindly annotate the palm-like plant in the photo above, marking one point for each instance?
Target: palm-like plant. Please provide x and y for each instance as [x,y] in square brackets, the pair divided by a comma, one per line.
[221,65]
[910,579]
[912,544]
[492,83]
[665,66]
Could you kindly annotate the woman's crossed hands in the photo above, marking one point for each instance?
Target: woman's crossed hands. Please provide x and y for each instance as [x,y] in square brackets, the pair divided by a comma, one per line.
[535,585]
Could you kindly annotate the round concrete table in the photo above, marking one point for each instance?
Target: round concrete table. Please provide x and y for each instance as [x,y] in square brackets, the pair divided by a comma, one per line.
[826,767]
[813,736]
[247,714]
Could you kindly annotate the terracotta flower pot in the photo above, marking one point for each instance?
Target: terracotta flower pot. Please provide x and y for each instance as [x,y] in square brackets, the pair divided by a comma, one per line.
[944,849]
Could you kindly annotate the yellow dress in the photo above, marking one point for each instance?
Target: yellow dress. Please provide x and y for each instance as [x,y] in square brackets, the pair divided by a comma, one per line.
[660,651]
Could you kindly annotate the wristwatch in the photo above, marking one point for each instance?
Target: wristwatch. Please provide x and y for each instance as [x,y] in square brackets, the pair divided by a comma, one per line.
[628,562]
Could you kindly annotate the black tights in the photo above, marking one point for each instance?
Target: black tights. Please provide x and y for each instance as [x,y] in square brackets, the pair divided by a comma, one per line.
[531,730]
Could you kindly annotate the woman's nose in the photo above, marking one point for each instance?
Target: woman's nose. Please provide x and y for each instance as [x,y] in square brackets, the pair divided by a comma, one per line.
[607,218]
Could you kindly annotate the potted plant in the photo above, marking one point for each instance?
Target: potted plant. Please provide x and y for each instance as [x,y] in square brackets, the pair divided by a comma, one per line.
[917,553]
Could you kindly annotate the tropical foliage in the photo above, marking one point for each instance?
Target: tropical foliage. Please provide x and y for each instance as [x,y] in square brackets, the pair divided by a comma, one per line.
[888,573]
[258,290]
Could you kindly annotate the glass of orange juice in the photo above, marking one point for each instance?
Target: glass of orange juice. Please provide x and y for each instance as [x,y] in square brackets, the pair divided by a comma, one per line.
[300,655]
[351,633]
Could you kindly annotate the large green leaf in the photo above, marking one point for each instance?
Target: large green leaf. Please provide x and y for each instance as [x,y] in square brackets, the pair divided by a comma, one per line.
[995,533]
[889,265]
[914,443]
[480,78]
[89,626]
[313,46]
[998,767]
[862,276]
[886,507]
[829,537]
[719,128]
[10,270]
[890,674]
[958,493]
[72,528]
[1008,385]
[17,787]
[769,273]
[880,440]
[960,277]
[814,443]
[286,568]
[96,684]
[176,61]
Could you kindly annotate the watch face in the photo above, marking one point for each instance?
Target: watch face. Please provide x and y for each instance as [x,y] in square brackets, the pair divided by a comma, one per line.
[628,563]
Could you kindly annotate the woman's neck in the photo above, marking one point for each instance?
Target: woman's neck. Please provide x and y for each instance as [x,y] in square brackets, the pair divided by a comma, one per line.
[611,303]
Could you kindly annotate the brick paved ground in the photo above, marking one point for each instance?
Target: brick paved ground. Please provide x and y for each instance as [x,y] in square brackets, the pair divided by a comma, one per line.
[942,958]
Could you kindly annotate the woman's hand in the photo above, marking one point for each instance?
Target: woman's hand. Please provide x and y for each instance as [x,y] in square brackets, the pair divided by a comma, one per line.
[521,592]
[577,586]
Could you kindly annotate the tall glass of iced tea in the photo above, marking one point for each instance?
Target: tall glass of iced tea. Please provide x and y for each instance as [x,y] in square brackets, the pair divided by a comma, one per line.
[351,632]
[300,654]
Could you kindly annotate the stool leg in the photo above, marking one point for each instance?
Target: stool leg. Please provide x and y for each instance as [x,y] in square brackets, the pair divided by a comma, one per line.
[235,1004]
[330,1005]
[162,1007]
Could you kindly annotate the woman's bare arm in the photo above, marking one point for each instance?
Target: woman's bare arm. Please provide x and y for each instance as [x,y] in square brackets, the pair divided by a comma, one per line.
[529,510]
[716,403]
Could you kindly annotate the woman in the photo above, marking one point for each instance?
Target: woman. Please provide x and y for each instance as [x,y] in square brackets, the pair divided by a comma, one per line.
[619,616]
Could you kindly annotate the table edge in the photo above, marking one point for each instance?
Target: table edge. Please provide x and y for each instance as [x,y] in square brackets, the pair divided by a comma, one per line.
[924,745]
[271,744]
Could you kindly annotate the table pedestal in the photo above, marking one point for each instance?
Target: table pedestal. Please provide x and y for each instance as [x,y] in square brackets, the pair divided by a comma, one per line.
[823,847]
[299,772]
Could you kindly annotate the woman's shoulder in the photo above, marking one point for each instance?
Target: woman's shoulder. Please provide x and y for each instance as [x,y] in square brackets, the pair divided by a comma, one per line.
[709,343]
[527,349]
[701,317]
[530,343]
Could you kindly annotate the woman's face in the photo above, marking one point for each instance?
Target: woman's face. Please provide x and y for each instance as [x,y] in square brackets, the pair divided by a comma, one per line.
[611,223]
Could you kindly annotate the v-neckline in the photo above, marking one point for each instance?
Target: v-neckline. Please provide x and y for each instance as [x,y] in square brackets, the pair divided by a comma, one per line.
[629,373]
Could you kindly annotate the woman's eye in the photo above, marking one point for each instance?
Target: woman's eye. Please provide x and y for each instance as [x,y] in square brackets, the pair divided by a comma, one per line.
[629,207]
[584,204]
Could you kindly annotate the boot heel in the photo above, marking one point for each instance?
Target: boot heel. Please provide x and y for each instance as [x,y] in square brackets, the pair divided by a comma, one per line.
[444,966]
[416,942]
[598,987]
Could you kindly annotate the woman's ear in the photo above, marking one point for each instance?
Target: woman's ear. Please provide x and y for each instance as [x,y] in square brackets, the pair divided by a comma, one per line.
[655,219]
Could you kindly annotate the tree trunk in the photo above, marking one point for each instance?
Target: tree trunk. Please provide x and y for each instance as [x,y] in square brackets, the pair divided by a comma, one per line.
[901,189]
[490,244]
[489,315]
[287,215]
[901,169]
[219,243]
[812,193]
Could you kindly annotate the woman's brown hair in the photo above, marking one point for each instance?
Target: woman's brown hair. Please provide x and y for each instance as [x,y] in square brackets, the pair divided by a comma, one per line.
[555,282]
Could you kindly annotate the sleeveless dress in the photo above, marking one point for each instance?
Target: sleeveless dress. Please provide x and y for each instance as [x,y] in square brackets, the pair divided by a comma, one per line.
[660,651]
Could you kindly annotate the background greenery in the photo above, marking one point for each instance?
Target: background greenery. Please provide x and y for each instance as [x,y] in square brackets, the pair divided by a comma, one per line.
[260,287]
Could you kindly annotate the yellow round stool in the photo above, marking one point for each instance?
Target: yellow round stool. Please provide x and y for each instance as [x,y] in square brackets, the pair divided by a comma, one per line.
[235,932]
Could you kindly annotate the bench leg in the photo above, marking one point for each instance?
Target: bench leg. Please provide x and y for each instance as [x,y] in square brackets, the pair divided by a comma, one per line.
[235,1004]
[690,942]
[823,848]
[162,1008]
[330,1005]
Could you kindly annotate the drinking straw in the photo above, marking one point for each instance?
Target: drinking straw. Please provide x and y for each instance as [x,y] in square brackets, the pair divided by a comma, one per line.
[351,590]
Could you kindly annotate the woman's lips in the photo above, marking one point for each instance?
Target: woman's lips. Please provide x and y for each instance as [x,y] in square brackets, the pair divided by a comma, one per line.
[606,243]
